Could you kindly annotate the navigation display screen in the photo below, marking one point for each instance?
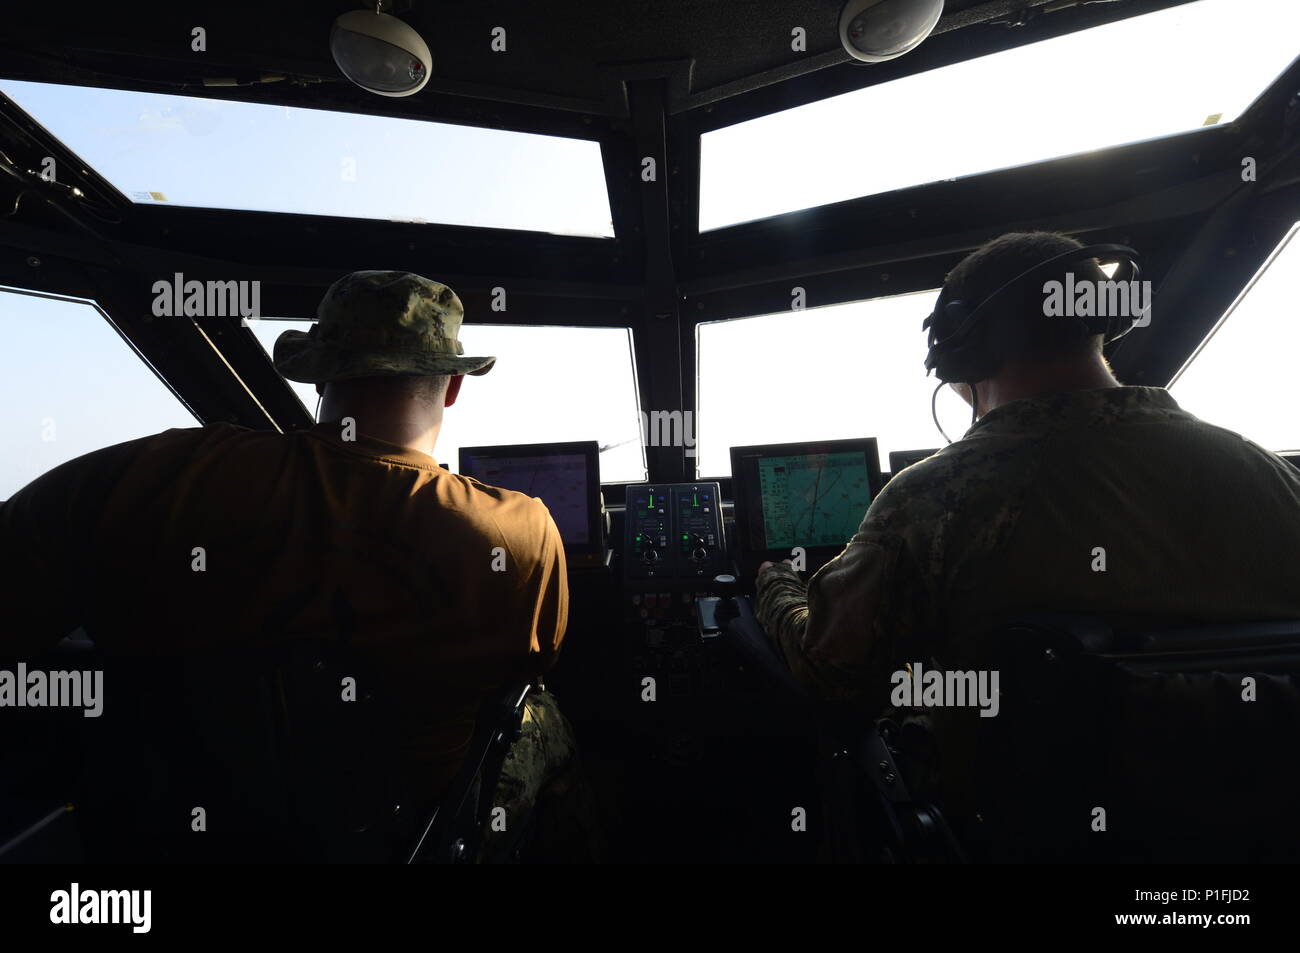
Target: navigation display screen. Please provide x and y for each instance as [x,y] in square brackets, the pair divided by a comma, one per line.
[802,496]
[814,499]
[558,480]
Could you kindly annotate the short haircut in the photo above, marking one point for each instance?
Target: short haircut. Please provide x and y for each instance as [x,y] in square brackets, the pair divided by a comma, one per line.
[994,263]
[428,389]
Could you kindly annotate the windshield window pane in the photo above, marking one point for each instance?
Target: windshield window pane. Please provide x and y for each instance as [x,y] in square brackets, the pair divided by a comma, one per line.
[1200,64]
[210,153]
[848,370]
[266,330]
[1243,374]
[70,384]
[549,385]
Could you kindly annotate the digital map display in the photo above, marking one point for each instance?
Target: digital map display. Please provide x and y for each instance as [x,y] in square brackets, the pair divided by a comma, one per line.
[813,499]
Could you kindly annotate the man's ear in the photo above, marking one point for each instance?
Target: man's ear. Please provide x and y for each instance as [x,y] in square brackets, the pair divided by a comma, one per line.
[453,390]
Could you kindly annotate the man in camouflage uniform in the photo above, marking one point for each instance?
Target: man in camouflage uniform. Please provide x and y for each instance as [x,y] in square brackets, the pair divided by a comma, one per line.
[348,532]
[1197,524]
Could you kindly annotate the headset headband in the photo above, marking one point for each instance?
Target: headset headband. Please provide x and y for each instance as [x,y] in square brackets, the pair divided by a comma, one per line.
[966,319]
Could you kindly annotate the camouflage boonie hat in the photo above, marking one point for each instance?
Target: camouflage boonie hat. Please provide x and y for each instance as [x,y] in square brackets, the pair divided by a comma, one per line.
[379,324]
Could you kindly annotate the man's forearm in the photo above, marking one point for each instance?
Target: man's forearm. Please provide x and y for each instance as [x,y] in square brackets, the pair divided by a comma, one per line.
[783,609]
[835,633]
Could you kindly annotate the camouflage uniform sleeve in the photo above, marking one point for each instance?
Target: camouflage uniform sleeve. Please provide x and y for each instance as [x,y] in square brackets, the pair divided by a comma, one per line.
[874,603]
[838,636]
[782,605]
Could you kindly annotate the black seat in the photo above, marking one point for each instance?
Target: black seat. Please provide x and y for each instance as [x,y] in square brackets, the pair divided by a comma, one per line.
[281,767]
[454,833]
[870,815]
[1116,743]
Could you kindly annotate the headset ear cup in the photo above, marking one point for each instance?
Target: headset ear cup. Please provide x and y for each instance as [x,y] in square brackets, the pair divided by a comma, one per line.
[961,352]
[953,356]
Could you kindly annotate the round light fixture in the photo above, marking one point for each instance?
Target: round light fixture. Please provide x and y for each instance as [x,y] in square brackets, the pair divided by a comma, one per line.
[380,53]
[874,31]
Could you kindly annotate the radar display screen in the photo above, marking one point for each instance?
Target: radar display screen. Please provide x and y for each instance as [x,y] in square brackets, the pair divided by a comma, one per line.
[808,496]
[559,481]
[564,476]
[813,499]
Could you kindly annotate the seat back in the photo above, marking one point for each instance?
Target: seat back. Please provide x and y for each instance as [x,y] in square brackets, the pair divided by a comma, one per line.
[241,757]
[453,833]
[1124,744]
[238,757]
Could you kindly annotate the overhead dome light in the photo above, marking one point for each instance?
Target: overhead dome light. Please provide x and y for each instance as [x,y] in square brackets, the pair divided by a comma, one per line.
[877,30]
[380,53]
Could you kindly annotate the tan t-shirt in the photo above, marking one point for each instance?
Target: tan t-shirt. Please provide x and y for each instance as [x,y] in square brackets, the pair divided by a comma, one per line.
[445,586]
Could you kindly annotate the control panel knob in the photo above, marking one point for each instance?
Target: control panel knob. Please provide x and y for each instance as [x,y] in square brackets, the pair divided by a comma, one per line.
[699,548]
[650,555]
[725,586]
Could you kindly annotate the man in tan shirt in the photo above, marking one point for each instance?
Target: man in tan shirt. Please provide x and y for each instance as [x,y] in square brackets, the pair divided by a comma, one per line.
[350,532]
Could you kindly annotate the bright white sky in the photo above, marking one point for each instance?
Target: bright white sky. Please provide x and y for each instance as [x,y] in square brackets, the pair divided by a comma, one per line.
[1140,78]
[220,154]
[842,371]
[70,384]
[1243,378]
[849,370]
[564,384]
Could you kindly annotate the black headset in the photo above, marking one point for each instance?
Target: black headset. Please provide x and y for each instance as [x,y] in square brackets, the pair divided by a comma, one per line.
[958,355]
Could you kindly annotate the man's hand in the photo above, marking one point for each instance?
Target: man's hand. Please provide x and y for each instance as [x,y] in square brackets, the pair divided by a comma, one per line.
[768,564]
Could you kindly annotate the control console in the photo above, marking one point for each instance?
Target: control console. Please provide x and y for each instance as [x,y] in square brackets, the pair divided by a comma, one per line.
[673,534]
